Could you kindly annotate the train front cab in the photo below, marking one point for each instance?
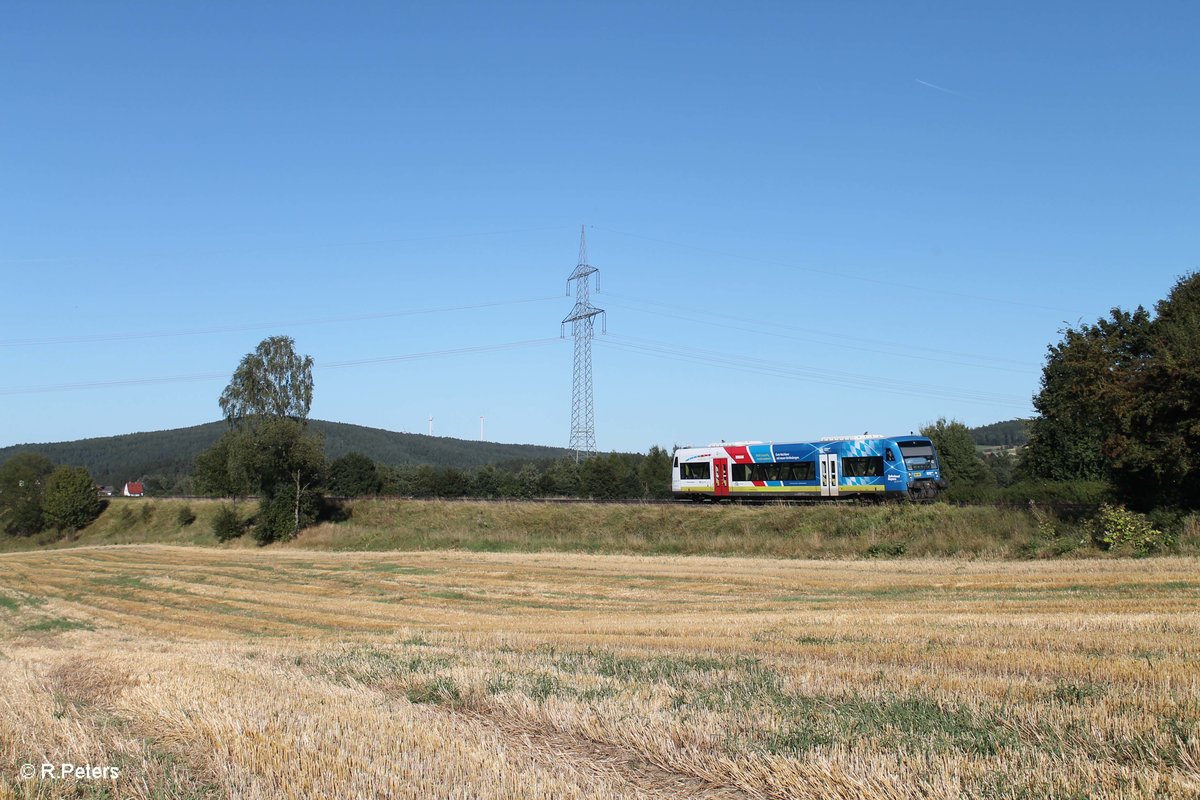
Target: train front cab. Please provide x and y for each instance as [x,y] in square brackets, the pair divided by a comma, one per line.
[922,468]
[697,475]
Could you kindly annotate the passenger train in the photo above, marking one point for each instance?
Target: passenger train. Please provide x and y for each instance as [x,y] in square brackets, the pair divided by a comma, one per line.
[902,467]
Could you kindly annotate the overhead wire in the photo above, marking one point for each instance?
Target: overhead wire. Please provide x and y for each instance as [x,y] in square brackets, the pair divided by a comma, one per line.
[207,376]
[798,372]
[306,247]
[127,336]
[833,339]
[924,288]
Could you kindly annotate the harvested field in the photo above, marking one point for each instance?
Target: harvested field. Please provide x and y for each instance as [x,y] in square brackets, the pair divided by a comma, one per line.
[201,672]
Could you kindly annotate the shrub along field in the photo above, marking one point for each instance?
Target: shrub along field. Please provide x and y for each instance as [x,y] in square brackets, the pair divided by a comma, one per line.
[263,673]
[843,531]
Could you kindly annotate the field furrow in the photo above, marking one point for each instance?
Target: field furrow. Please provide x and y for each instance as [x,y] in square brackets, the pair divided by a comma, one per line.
[279,673]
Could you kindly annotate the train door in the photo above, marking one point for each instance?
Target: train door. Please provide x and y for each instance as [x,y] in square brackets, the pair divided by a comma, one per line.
[721,477]
[829,474]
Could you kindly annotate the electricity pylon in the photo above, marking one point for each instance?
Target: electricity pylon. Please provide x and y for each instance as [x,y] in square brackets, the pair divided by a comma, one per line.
[582,319]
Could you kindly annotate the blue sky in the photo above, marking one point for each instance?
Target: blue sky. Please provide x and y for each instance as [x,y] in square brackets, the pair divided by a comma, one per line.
[810,219]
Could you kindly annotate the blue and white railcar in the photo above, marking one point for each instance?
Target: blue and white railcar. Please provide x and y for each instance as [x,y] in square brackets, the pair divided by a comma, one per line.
[850,466]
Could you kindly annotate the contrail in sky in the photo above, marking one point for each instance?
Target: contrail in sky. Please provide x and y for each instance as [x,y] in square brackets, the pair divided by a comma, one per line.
[939,88]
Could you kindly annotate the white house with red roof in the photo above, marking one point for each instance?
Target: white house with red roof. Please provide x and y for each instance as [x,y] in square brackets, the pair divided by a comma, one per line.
[134,489]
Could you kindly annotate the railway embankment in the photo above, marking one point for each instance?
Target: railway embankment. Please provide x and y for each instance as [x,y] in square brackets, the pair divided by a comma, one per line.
[772,531]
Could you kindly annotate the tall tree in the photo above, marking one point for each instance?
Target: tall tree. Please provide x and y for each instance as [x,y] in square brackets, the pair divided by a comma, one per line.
[267,449]
[273,381]
[1085,378]
[1121,400]
[1154,442]
[22,485]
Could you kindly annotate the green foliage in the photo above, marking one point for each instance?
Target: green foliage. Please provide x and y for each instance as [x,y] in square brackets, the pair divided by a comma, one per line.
[273,381]
[70,501]
[288,465]
[221,470]
[612,476]
[1078,492]
[961,465]
[227,523]
[269,451]
[1121,400]
[655,474]
[283,513]
[1085,376]
[486,481]
[185,516]
[561,479]
[276,459]
[1003,467]
[22,484]
[354,475]
[1155,447]
[1117,528]
[1010,433]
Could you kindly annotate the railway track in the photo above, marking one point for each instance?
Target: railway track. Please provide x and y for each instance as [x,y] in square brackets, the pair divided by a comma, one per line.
[1056,506]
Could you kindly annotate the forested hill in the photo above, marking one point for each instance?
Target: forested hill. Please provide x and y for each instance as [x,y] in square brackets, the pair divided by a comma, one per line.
[1010,433]
[167,456]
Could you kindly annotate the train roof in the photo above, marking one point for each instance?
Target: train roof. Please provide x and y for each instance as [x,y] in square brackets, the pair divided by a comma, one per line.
[823,440]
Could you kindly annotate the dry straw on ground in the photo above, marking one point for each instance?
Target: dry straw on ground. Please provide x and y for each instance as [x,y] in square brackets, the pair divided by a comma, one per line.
[212,673]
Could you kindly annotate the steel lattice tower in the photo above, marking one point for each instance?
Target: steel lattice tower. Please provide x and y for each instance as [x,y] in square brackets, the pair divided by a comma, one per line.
[582,319]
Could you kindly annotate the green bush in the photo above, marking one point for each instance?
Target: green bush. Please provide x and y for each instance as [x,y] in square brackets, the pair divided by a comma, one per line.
[227,524]
[1079,492]
[277,515]
[1082,492]
[69,501]
[185,516]
[1118,528]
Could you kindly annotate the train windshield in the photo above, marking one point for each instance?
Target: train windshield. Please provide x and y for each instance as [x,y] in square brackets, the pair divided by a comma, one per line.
[918,455]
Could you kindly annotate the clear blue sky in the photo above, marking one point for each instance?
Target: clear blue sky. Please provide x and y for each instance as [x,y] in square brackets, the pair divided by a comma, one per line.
[810,219]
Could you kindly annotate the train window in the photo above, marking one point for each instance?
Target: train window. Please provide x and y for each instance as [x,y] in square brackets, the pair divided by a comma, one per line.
[889,455]
[800,471]
[866,467]
[677,461]
[765,472]
[695,472]
[918,455]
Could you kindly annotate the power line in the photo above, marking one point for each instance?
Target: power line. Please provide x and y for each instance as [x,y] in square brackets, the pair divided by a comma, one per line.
[307,247]
[114,337]
[900,351]
[808,374]
[208,376]
[923,288]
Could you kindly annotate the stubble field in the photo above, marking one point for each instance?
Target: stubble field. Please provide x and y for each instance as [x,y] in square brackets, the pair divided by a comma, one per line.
[199,672]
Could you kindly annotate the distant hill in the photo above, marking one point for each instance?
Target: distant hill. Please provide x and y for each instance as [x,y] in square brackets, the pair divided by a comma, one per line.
[1010,433]
[168,455]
